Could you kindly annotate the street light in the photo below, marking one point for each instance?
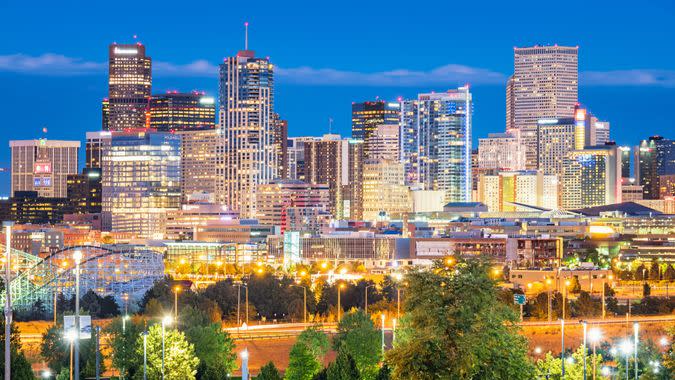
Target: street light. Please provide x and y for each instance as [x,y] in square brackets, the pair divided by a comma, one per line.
[304,297]
[77,256]
[585,326]
[71,336]
[383,317]
[165,322]
[594,335]
[626,349]
[46,374]
[8,296]
[340,287]
[366,291]
[562,345]
[604,285]
[145,355]
[636,327]
[176,290]
[244,364]
[548,291]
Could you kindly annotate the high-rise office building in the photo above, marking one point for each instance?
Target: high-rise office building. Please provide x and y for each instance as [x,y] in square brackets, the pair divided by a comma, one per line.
[444,123]
[625,161]
[141,181]
[653,158]
[409,138]
[129,87]
[281,145]
[385,193]
[293,205]
[352,192]
[198,155]
[555,139]
[326,163]
[177,111]
[105,114]
[94,148]
[366,116]
[246,120]
[544,85]
[295,157]
[84,191]
[592,177]
[504,151]
[26,207]
[515,190]
[43,166]
[383,143]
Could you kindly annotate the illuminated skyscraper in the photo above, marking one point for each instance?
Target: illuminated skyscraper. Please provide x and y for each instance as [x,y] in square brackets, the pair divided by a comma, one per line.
[502,151]
[281,145]
[198,156]
[444,122]
[592,177]
[654,157]
[544,85]
[384,191]
[555,139]
[326,163]
[43,166]
[295,153]
[367,116]
[141,181]
[383,143]
[246,120]
[176,111]
[409,138]
[84,191]
[129,87]
[94,148]
[293,205]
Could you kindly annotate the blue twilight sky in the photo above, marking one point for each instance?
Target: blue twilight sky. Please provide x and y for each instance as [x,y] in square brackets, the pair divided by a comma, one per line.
[53,56]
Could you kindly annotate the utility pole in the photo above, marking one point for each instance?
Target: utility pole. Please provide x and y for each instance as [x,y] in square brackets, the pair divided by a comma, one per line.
[8,297]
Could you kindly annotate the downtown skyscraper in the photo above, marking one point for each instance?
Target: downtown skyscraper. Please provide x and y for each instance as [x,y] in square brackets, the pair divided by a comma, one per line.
[544,85]
[436,142]
[248,155]
[129,88]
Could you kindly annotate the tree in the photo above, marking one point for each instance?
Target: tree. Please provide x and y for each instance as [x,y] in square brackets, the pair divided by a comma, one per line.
[122,337]
[669,273]
[180,361]
[384,373]
[455,327]
[655,271]
[302,364]
[55,349]
[21,368]
[646,290]
[586,306]
[357,337]
[213,346]
[268,372]
[641,272]
[574,369]
[343,368]
[316,342]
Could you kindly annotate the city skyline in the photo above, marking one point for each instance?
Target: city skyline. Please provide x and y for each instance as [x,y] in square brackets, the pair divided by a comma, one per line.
[321,64]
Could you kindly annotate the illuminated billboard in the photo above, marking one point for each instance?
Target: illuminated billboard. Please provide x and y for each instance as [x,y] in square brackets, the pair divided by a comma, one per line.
[41,167]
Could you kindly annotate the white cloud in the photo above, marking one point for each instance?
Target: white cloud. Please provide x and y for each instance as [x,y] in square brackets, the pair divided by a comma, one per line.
[449,75]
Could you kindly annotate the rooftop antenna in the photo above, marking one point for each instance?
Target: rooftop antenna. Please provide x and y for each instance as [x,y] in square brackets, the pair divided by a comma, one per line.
[246,40]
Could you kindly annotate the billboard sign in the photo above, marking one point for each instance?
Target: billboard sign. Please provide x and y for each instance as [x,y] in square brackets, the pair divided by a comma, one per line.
[85,325]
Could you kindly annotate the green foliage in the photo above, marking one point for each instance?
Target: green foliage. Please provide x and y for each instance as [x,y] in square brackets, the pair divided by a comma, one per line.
[213,346]
[122,339]
[357,337]
[648,354]
[574,368]
[315,341]
[55,350]
[343,368]
[586,306]
[21,369]
[457,328]
[180,359]
[302,364]
[384,373]
[269,372]
[99,307]
[669,273]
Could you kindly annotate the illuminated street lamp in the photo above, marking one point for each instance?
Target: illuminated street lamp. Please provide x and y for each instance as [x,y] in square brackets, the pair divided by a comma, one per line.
[46,374]
[585,326]
[71,336]
[166,321]
[548,292]
[636,327]
[594,335]
[366,295]
[383,318]
[340,287]
[176,290]
[77,256]
[244,364]
[626,348]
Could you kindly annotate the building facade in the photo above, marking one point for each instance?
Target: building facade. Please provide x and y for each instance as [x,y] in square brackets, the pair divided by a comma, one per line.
[366,116]
[84,191]
[293,205]
[544,85]
[141,181]
[129,87]
[515,190]
[199,159]
[556,138]
[592,178]
[246,121]
[174,111]
[43,166]
[502,151]
[385,193]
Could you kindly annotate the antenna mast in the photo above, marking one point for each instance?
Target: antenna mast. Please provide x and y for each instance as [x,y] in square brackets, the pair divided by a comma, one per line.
[246,40]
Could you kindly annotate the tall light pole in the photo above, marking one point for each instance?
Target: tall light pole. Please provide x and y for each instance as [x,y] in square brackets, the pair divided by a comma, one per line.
[339,307]
[244,364]
[625,348]
[398,302]
[594,335]
[124,331]
[585,326]
[367,287]
[393,331]
[176,290]
[548,291]
[77,256]
[8,297]
[383,317]
[562,344]
[636,327]
[145,355]
[165,321]
[304,298]
[604,285]
[71,336]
